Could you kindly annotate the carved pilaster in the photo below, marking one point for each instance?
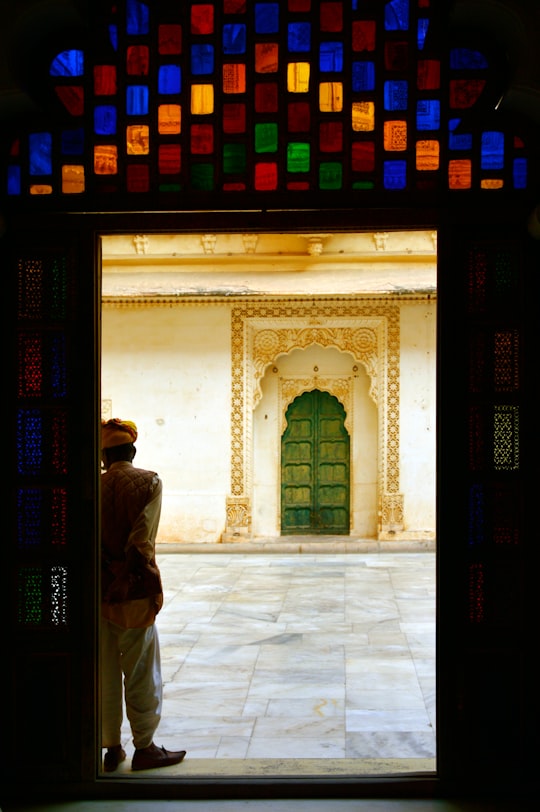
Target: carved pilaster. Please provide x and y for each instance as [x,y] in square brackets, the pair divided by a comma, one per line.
[238,512]
[391,513]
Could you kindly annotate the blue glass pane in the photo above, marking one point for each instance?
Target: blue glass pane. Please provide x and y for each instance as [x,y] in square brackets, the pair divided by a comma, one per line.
[202,59]
[58,367]
[68,63]
[105,119]
[396,15]
[234,39]
[465,58]
[137,100]
[40,160]
[520,173]
[492,150]
[29,441]
[169,79]
[423,26]
[363,76]
[395,95]
[331,56]
[266,18]
[138,16]
[395,175]
[428,115]
[113,36]
[72,142]
[14,180]
[299,37]
[458,140]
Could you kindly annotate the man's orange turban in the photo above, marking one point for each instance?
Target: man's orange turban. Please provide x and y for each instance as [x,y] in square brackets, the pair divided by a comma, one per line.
[117,432]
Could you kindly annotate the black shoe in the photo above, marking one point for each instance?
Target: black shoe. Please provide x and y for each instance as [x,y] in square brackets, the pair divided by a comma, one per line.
[113,757]
[148,758]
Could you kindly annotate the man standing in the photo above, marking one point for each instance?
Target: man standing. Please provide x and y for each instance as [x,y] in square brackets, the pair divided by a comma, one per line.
[131,597]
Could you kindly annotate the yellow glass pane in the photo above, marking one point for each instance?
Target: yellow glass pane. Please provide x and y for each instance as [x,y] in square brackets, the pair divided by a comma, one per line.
[492,183]
[266,57]
[234,78]
[40,189]
[169,119]
[105,159]
[330,97]
[202,100]
[395,136]
[72,179]
[298,77]
[459,174]
[363,116]
[427,155]
[138,139]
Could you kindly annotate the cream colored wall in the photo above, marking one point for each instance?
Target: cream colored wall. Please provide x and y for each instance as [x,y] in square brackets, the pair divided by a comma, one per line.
[168,369]
[418,414]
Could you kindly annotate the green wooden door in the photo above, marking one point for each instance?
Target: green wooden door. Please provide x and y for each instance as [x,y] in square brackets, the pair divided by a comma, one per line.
[315,467]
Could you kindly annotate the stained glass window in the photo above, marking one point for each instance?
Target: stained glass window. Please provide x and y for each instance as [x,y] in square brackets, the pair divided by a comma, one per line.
[195,97]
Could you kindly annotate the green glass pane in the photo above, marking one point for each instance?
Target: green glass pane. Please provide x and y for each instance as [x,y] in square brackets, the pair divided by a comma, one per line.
[330,175]
[266,137]
[234,158]
[298,157]
[202,177]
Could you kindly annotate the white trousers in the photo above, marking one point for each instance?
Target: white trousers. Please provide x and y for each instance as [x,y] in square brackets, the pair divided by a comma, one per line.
[131,655]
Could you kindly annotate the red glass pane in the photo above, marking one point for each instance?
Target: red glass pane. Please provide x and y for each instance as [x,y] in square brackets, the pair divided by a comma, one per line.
[331,16]
[202,19]
[363,156]
[202,139]
[298,185]
[170,39]
[266,176]
[266,97]
[396,55]
[169,159]
[331,136]
[234,6]
[299,117]
[234,187]
[465,92]
[429,74]
[137,179]
[72,98]
[138,60]
[299,5]
[105,80]
[234,118]
[363,35]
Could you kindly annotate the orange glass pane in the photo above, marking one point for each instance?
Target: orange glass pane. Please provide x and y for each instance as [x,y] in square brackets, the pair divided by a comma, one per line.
[105,159]
[492,183]
[202,100]
[331,97]
[459,174]
[363,116]
[138,139]
[169,119]
[298,77]
[72,179]
[234,78]
[266,57]
[40,189]
[427,155]
[395,136]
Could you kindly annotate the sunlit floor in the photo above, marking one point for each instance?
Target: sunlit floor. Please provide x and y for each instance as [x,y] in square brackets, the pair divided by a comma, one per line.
[295,663]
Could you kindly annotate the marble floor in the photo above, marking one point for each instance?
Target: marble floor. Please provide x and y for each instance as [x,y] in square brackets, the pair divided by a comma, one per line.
[295,663]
